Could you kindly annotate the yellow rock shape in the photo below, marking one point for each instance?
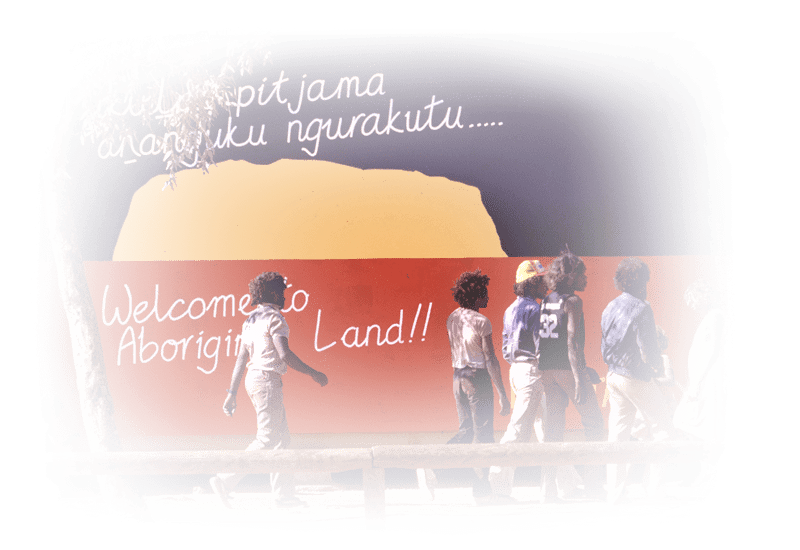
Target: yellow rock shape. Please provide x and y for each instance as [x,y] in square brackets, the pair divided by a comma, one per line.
[305,209]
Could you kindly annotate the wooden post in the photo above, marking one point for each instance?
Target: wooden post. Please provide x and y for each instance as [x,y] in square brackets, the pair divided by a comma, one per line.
[374,494]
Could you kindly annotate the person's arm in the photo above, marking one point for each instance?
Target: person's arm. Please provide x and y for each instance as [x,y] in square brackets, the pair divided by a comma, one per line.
[238,370]
[719,328]
[668,379]
[507,343]
[647,340]
[294,362]
[495,373]
[574,310]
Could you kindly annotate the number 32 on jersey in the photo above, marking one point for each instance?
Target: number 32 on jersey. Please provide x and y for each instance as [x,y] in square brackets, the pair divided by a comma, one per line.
[548,323]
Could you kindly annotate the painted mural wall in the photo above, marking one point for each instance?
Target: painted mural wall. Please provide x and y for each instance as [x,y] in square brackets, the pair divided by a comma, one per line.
[371,174]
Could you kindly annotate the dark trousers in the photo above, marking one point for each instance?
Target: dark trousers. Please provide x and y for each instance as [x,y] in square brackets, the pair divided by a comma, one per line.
[472,389]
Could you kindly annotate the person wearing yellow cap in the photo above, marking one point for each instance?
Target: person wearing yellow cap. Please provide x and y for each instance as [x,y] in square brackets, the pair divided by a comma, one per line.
[521,351]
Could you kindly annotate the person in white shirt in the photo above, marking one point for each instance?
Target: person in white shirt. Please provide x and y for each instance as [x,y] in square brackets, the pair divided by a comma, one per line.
[700,412]
[264,351]
[475,368]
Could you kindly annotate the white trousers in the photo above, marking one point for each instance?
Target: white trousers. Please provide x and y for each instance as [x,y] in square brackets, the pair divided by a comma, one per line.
[626,397]
[526,420]
[265,390]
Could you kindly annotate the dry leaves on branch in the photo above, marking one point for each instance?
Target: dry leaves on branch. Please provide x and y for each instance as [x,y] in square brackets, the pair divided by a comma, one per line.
[183,98]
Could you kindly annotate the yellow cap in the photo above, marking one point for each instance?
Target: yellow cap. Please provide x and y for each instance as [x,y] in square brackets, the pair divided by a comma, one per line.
[528,269]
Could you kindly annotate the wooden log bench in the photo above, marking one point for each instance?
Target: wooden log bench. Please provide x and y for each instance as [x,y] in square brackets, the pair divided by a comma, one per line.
[374,461]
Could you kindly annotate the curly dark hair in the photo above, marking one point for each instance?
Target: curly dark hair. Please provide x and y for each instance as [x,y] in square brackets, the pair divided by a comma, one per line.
[631,273]
[663,339]
[702,292]
[470,286]
[560,270]
[525,288]
[264,287]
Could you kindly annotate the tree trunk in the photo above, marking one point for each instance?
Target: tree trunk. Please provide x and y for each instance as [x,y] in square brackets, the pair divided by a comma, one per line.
[97,407]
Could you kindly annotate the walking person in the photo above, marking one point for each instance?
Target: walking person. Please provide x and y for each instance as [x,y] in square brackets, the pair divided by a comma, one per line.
[264,352]
[475,369]
[700,412]
[631,350]
[562,335]
[641,428]
[521,351]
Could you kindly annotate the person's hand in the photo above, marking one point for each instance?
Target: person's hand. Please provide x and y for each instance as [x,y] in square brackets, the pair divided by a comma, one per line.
[505,406]
[320,378]
[230,405]
[580,390]
[594,378]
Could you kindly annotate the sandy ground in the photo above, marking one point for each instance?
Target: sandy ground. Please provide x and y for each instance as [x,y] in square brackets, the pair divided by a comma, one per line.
[451,512]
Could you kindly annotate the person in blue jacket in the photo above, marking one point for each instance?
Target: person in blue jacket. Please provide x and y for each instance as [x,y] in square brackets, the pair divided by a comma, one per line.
[631,350]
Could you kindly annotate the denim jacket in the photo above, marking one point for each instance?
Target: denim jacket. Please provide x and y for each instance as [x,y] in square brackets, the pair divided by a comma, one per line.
[629,341]
[521,330]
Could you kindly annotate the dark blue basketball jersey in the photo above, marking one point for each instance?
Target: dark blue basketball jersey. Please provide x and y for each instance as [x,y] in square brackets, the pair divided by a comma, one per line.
[553,353]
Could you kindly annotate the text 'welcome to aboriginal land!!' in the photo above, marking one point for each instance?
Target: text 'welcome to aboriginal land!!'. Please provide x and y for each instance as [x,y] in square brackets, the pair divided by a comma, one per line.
[227,305]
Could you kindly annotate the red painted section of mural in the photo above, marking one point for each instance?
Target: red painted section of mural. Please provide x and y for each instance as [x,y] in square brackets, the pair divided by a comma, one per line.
[375,327]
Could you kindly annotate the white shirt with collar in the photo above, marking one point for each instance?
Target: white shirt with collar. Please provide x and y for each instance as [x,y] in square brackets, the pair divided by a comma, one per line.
[258,331]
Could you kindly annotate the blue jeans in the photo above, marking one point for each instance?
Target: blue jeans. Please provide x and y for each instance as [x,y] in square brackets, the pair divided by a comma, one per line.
[472,389]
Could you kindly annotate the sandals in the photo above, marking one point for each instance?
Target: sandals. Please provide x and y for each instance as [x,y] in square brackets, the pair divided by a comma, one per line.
[495,499]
